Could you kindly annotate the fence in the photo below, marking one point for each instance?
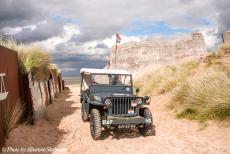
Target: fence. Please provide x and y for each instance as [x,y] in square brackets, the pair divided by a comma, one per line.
[22,89]
[9,66]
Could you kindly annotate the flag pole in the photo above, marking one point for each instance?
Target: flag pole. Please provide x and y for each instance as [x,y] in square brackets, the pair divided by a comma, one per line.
[222,36]
[116,55]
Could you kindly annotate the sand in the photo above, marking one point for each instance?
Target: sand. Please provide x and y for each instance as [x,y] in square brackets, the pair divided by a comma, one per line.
[62,127]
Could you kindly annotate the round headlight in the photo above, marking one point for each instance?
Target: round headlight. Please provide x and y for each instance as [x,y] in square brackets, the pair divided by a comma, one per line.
[147,99]
[107,102]
[134,103]
[139,101]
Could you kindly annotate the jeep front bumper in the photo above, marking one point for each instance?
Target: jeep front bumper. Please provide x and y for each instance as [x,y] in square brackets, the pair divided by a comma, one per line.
[113,121]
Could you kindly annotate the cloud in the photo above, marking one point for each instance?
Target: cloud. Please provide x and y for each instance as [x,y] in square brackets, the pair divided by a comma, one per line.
[101,45]
[85,29]
[71,64]
[101,19]
[41,31]
[14,13]
[61,42]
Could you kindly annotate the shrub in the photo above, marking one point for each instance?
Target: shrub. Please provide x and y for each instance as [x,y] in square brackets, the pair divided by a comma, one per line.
[36,61]
[205,97]
[223,50]
[32,59]
[164,79]
[11,116]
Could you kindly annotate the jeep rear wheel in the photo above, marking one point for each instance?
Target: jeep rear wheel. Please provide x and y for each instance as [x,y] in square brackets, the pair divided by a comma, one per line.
[147,128]
[84,115]
[95,124]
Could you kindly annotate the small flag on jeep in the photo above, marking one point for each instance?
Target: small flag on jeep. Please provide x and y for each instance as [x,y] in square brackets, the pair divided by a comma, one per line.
[118,39]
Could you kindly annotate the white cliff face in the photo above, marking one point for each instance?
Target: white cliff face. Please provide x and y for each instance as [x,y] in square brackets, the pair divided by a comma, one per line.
[133,56]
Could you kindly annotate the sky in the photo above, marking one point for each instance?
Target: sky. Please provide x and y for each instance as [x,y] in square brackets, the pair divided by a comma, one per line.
[80,33]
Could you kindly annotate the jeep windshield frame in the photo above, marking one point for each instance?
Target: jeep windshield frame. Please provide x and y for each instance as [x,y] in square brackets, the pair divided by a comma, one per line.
[107,88]
[87,88]
[113,77]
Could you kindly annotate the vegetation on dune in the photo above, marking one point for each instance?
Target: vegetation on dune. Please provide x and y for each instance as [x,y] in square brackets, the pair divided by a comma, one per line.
[35,60]
[32,59]
[216,57]
[207,96]
[54,69]
[203,96]
[164,79]
[11,117]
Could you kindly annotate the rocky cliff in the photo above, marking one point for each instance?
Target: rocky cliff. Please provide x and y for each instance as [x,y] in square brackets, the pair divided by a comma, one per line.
[133,56]
[227,36]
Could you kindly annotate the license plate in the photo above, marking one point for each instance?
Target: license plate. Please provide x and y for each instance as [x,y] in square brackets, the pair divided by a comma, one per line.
[127,126]
[130,111]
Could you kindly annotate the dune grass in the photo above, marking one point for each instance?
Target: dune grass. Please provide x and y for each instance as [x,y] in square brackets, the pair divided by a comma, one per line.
[223,51]
[207,96]
[54,69]
[32,59]
[11,116]
[164,79]
[35,60]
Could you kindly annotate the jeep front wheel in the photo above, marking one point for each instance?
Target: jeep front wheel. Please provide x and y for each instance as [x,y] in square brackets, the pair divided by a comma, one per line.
[147,128]
[95,124]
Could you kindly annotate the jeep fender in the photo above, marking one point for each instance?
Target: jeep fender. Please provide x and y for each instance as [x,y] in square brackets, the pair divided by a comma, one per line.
[86,106]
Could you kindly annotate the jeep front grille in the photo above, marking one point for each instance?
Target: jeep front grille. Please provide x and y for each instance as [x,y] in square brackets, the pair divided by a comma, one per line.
[121,106]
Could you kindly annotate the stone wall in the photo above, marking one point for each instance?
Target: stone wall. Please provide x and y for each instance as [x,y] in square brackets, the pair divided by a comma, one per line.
[133,56]
[227,36]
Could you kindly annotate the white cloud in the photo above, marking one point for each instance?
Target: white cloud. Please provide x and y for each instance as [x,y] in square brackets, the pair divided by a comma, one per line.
[11,30]
[88,27]
[51,43]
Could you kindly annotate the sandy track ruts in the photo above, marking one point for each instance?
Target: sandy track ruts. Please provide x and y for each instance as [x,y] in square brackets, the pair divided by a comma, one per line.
[62,127]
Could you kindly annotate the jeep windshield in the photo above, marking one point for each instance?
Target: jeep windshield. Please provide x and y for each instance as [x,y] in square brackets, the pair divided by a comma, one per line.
[111,80]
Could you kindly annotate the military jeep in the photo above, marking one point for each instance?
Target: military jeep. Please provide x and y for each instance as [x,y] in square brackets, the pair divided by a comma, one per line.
[108,101]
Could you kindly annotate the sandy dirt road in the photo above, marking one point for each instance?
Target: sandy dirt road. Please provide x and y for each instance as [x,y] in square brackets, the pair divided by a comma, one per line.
[62,127]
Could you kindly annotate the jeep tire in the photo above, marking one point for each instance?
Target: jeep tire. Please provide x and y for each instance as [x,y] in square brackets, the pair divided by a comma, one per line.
[84,115]
[147,128]
[95,124]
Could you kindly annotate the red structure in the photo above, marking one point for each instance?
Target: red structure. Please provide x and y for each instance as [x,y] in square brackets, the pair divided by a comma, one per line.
[36,95]
[9,65]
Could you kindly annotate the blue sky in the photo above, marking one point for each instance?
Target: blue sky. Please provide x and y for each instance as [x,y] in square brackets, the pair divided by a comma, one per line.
[148,28]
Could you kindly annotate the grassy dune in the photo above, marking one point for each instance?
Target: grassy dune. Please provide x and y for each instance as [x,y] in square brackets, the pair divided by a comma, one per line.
[203,96]
[164,79]
[208,95]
